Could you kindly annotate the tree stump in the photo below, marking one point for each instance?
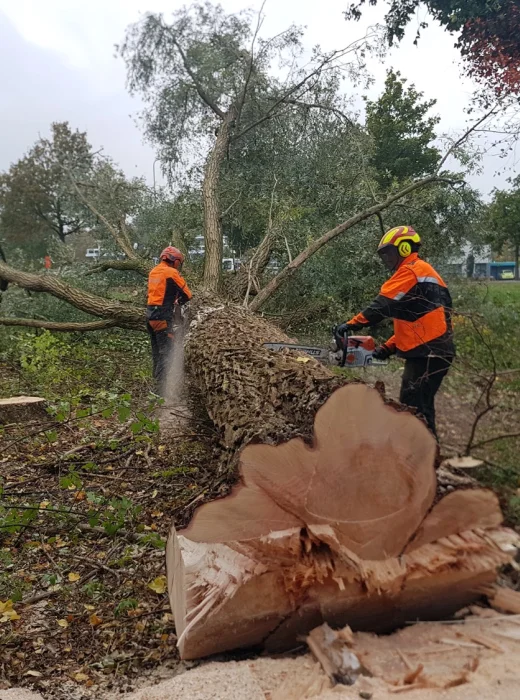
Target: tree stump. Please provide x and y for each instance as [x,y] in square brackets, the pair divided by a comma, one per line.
[346,530]
[20,409]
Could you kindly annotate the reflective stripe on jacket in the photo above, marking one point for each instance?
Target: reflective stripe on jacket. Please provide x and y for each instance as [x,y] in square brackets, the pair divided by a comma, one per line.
[166,286]
[419,301]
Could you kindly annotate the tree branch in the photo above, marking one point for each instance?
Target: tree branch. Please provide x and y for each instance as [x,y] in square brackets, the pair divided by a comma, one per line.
[505,436]
[464,136]
[136,265]
[198,87]
[56,326]
[324,107]
[125,315]
[243,96]
[284,98]
[119,235]
[300,259]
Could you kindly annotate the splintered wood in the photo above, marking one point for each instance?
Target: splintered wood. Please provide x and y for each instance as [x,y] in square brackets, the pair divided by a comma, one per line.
[343,531]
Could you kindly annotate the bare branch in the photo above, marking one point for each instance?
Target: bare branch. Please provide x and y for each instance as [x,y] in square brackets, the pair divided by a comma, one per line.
[55,326]
[465,136]
[505,436]
[251,62]
[324,107]
[224,213]
[119,236]
[197,85]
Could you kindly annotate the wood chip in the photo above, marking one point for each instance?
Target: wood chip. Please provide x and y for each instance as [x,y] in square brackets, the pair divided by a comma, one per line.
[486,642]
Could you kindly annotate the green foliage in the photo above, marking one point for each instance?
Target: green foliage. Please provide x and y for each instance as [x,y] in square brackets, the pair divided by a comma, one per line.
[65,368]
[487,34]
[125,605]
[402,132]
[36,201]
[111,514]
[503,218]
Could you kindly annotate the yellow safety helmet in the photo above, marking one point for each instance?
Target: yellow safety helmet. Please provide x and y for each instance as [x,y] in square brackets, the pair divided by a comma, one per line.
[397,244]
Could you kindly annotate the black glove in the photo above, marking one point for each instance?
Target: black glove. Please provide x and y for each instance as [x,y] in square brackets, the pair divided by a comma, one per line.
[383,352]
[348,327]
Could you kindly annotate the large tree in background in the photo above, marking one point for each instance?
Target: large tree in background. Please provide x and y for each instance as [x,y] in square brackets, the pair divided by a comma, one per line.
[37,202]
[402,132]
[488,34]
[503,218]
[205,77]
[209,85]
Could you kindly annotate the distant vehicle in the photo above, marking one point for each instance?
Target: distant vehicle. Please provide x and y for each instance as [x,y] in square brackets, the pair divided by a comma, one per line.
[93,252]
[231,264]
[507,275]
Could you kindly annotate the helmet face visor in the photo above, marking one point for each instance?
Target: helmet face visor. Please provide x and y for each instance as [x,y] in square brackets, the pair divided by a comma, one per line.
[390,257]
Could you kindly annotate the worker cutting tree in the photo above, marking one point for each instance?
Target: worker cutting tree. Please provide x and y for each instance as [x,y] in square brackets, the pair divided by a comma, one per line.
[418,300]
[166,289]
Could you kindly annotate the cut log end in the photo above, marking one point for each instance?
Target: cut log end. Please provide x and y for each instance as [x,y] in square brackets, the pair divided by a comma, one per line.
[20,409]
[342,532]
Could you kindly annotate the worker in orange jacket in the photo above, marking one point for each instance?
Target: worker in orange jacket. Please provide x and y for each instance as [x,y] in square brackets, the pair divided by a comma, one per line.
[166,289]
[418,300]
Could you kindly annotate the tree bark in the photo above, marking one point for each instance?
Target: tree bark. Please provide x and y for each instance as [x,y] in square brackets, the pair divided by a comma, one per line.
[210,198]
[124,315]
[336,517]
[64,326]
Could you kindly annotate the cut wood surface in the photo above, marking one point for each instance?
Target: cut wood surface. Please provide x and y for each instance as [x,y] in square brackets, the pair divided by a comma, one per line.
[19,409]
[319,532]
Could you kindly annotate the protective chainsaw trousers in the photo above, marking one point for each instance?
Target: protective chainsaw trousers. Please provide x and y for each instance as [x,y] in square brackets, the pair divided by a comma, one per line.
[161,338]
[422,378]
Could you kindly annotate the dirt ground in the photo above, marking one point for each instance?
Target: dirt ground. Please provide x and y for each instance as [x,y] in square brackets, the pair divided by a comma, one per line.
[475,658]
[478,658]
[82,642]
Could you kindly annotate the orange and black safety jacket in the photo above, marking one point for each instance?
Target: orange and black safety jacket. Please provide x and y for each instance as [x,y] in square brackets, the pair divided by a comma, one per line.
[166,287]
[419,301]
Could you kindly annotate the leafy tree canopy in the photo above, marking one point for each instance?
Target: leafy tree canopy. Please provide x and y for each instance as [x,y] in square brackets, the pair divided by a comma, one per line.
[36,201]
[503,217]
[402,132]
[488,34]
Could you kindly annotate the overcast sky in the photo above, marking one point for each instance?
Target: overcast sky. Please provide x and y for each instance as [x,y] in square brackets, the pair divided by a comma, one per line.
[57,63]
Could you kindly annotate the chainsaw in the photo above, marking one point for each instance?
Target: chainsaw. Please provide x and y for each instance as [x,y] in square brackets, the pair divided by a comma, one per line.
[344,350]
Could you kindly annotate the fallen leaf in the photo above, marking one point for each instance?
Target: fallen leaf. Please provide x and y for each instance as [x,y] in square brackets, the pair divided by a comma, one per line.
[36,674]
[89,607]
[63,623]
[158,585]
[303,359]
[7,612]
[81,677]
[73,576]
[95,620]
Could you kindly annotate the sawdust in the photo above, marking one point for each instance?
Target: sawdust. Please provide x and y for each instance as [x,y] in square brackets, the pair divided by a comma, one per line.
[495,675]
[445,652]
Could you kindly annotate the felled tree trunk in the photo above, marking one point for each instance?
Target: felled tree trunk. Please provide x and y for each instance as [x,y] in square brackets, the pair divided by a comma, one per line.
[336,517]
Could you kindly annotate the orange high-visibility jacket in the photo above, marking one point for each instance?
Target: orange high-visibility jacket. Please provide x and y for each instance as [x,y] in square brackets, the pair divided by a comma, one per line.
[166,286]
[419,301]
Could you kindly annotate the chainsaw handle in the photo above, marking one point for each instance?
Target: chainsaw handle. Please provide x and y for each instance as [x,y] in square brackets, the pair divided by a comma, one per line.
[345,349]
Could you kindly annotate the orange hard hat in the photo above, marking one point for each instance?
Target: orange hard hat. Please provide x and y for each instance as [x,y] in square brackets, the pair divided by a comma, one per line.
[171,254]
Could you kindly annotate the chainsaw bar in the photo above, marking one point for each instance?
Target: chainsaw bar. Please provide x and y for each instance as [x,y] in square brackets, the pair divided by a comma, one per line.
[321,354]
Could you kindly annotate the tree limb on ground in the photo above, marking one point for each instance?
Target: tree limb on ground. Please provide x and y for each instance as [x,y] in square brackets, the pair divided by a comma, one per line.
[67,327]
[124,315]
